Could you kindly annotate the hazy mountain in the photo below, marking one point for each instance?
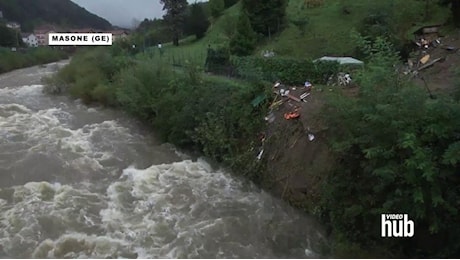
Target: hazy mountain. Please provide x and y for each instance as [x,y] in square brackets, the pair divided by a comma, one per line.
[65,13]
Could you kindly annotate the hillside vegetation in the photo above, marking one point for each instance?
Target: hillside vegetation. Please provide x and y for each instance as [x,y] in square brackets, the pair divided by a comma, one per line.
[324,30]
[59,12]
[10,60]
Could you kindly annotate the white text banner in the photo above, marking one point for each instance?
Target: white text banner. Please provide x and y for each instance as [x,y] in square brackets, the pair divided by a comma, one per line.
[71,39]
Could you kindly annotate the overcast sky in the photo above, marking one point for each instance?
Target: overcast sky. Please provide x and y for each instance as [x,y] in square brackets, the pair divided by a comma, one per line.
[123,12]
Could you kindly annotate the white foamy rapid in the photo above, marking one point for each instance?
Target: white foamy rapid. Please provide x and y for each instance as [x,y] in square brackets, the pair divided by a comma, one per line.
[79,182]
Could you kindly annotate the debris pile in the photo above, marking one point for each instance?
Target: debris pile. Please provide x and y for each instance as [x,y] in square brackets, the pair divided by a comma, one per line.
[285,94]
[342,79]
[430,49]
[287,102]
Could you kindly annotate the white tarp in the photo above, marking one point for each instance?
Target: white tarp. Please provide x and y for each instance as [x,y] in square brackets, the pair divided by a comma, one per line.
[341,60]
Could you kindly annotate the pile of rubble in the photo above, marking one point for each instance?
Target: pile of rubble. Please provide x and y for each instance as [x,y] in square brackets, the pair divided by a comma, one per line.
[287,99]
[341,79]
[427,55]
[287,95]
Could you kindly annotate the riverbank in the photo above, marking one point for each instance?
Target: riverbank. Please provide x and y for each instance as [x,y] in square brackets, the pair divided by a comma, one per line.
[11,60]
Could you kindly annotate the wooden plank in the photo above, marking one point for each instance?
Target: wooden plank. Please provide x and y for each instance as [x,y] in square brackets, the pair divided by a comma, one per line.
[430,30]
[293,98]
[304,95]
[429,64]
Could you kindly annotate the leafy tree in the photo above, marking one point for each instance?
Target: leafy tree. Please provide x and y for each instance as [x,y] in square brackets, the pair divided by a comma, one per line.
[154,31]
[229,25]
[228,3]
[266,16]
[175,16]
[398,151]
[7,37]
[244,41]
[197,22]
[217,7]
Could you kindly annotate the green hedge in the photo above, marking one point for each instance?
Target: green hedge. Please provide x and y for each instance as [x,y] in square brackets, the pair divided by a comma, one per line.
[288,70]
[10,60]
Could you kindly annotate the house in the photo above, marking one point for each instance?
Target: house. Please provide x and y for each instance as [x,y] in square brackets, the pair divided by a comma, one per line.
[14,26]
[118,34]
[84,30]
[42,34]
[30,39]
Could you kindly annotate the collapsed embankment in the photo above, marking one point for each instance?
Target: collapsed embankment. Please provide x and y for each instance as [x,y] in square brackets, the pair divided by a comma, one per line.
[296,152]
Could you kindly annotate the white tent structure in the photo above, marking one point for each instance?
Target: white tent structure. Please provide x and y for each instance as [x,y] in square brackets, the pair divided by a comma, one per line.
[341,60]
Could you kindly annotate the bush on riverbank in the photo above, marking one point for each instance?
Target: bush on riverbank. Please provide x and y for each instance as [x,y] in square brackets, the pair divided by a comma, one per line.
[11,60]
[89,76]
[210,114]
[185,107]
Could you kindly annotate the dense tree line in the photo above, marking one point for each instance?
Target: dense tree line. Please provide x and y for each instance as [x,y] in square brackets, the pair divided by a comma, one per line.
[257,18]
[175,17]
[9,37]
[267,16]
[197,22]
[181,19]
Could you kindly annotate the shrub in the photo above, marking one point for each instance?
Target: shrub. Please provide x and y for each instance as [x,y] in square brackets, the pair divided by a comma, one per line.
[244,40]
[397,151]
[33,56]
[90,76]
[217,7]
[218,61]
[229,3]
[289,71]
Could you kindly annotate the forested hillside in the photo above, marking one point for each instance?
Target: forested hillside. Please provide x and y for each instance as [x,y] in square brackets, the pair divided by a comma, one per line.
[60,12]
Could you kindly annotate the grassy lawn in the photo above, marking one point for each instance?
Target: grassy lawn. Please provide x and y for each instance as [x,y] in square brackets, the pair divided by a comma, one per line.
[193,50]
[328,27]
[327,31]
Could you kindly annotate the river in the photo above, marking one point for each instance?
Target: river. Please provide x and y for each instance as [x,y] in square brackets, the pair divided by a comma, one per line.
[91,182]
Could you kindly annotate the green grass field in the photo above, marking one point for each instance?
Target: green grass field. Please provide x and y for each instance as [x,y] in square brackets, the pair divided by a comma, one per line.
[327,31]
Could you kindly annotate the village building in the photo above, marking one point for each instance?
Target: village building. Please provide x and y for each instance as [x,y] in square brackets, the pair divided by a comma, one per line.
[14,26]
[118,34]
[83,30]
[42,34]
[30,39]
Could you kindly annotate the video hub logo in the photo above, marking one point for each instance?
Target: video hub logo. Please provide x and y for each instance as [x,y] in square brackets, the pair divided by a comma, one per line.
[397,225]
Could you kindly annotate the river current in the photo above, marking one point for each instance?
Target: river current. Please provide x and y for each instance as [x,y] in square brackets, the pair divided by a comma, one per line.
[90,182]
